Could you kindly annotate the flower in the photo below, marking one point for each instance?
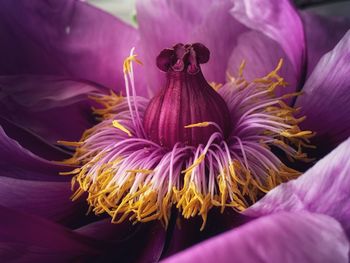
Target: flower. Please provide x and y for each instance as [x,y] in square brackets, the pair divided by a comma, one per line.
[55,229]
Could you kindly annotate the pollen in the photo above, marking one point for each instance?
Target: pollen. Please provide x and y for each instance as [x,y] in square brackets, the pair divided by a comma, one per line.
[130,177]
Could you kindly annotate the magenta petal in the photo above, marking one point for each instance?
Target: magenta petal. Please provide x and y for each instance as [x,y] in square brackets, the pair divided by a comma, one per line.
[283,237]
[50,200]
[166,23]
[31,141]
[27,238]
[18,162]
[322,34]
[219,31]
[279,21]
[261,55]
[327,96]
[55,108]
[63,37]
[322,189]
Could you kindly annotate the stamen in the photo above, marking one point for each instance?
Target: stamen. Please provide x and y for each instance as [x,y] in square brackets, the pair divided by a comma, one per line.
[119,126]
[204,124]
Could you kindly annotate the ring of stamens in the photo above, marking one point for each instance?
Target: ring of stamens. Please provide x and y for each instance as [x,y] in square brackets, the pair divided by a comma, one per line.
[130,177]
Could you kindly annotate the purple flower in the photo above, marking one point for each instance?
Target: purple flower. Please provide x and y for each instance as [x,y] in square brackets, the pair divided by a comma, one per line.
[140,159]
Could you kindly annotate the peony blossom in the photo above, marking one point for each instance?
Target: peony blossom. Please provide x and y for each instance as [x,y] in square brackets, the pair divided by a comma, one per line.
[230,139]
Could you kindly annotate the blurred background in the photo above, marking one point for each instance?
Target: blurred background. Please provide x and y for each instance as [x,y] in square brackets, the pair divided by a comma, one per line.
[125,9]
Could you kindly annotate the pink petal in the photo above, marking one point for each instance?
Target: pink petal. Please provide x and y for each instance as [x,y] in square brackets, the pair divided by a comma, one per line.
[261,55]
[279,21]
[326,97]
[283,237]
[18,162]
[55,108]
[322,189]
[166,23]
[64,37]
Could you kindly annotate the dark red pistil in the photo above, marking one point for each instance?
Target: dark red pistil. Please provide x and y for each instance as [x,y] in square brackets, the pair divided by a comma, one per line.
[187,98]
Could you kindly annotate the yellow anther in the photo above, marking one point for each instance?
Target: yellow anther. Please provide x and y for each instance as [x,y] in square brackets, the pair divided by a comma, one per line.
[195,163]
[66,143]
[121,127]
[127,63]
[199,124]
[216,86]
[299,134]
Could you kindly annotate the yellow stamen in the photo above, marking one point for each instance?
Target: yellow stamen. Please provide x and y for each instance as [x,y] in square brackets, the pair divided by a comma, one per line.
[121,127]
[199,124]
[127,63]
[195,163]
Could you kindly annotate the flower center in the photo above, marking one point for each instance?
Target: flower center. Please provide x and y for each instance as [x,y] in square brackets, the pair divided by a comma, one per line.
[188,148]
[186,100]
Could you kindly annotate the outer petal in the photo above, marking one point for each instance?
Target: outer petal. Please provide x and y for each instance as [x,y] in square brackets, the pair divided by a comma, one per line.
[327,96]
[18,162]
[63,37]
[165,23]
[26,238]
[325,188]
[55,108]
[50,200]
[261,55]
[33,142]
[284,237]
[322,34]
[278,20]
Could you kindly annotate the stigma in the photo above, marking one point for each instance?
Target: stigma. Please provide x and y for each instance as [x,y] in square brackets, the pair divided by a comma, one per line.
[185,99]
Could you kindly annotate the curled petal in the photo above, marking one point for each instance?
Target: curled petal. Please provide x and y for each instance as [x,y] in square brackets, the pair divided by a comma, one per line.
[18,162]
[326,95]
[322,189]
[279,21]
[55,108]
[283,237]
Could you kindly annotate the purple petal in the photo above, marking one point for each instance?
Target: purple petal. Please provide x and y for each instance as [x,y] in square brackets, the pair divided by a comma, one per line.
[32,141]
[322,189]
[55,108]
[63,37]
[143,242]
[18,162]
[50,200]
[27,238]
[165,23]
[283,237]
[327,96]
[279,21]
[261,55]
[322,34]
